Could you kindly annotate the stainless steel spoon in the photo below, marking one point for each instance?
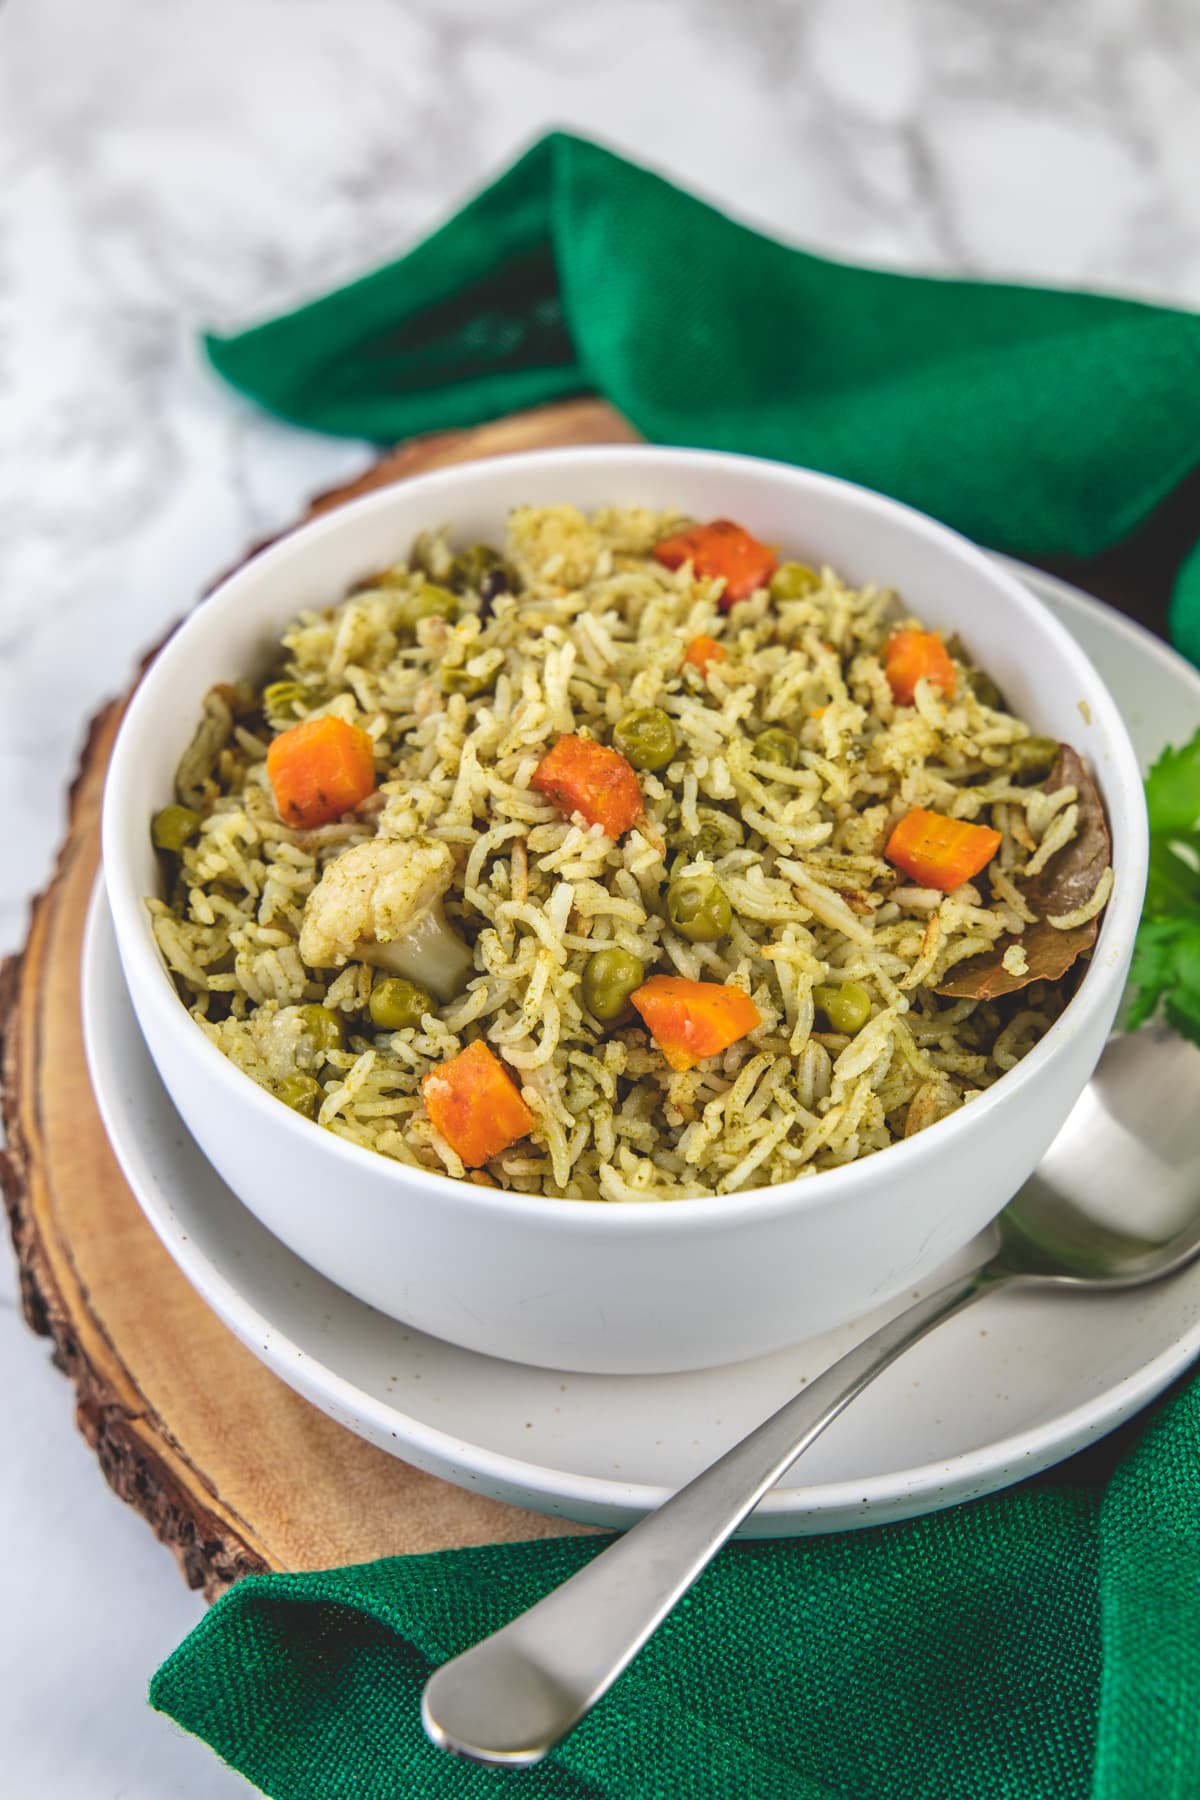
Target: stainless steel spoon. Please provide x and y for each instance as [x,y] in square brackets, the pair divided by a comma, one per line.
[1115,1204]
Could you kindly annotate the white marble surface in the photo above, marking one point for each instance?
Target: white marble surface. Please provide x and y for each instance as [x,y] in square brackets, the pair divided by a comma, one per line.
[166,165]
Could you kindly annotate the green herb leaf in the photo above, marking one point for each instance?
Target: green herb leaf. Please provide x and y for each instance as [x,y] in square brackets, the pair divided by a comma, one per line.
[1166,968]
[1173,882]
[1173,789]
[1166,957]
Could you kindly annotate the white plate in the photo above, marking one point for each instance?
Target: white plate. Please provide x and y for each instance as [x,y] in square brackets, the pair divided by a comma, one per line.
[1005,1390]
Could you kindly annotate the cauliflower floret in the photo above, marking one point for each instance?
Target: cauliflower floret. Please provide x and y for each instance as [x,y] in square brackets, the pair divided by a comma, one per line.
[381,903]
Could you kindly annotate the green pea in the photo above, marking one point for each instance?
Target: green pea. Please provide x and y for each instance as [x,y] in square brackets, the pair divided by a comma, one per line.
[1033,758]
[323,1028]
[483,570]
[610,976]
[777,746]
[426,601]
[792,580]
[303,1093]
[395,1004]
[645,738]
[845,1004]
[459,680]
[284,699]
[171,828]
[698,908]
[985,690]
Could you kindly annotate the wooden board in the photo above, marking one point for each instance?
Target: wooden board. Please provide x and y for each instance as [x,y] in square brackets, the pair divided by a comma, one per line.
[235,1472]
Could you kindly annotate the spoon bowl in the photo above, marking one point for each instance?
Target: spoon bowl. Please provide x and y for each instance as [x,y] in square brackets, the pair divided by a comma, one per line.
[1114,1204]
[1116,1200]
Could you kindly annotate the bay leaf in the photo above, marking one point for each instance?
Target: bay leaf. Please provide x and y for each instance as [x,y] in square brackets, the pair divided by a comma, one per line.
[1066,883]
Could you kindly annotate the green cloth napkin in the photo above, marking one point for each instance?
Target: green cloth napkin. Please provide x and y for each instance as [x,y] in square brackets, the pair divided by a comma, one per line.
[1041,423]
[1041,1644]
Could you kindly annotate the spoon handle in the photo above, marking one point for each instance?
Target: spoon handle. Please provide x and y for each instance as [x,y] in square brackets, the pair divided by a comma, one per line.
[511,1697]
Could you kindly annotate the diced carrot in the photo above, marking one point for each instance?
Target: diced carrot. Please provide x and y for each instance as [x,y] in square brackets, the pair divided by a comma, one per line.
[913,654]
[319,769]
[690,1020]
[721,548]
[581,776]
[704,650]
[475,1105]
[939,852]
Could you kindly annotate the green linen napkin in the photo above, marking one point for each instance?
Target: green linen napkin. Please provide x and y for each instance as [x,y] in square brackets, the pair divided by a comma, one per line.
[1041,1644]
[1041,423]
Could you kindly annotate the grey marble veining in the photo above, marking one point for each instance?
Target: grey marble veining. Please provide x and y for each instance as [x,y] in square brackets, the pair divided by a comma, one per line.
[170,164]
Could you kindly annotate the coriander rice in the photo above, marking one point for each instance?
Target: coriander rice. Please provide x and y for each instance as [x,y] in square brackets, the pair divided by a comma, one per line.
[577,627]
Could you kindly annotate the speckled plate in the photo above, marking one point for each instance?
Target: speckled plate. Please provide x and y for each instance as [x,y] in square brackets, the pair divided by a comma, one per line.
[1016,1384]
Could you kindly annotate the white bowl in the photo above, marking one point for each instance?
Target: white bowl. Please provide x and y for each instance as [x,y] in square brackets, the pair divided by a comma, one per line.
[623,1289]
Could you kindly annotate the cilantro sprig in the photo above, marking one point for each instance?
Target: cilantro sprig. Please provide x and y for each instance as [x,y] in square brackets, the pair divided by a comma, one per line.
[1166,957]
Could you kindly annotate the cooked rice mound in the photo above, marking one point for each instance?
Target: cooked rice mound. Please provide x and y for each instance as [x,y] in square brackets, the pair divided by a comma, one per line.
[591,628]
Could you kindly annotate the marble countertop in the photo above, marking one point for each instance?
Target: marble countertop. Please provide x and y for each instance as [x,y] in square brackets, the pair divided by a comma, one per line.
[167,167]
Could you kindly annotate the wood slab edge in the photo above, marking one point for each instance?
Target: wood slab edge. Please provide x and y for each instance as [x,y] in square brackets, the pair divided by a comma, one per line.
[212,1547]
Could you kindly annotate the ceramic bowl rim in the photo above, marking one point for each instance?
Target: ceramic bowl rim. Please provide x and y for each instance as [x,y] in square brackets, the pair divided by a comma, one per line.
[829,1187]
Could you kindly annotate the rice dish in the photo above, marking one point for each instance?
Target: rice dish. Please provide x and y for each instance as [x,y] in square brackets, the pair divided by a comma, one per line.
[463,913]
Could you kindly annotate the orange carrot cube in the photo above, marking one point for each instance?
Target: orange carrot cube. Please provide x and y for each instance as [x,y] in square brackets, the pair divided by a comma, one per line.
[475,1105]
[319,769]
[704,650]
[592,779]
[722,550]
[690,1020]
[913,654]
[938,852]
